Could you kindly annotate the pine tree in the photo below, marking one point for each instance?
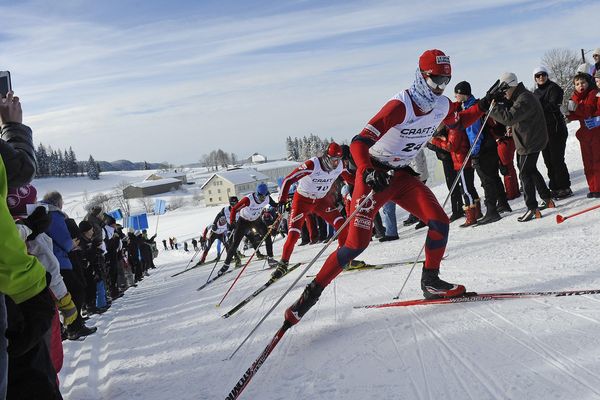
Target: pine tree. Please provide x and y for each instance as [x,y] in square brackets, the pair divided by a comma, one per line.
[42,160]
[289,148]
[73,167]
[92,169]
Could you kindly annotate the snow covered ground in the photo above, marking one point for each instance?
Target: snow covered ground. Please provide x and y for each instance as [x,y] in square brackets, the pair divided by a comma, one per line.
[165,340]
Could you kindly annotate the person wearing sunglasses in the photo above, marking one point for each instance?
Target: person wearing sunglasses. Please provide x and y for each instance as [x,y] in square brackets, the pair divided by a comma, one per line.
[382,152]
[550,96]
[315,178]
[249,209]
[596,56]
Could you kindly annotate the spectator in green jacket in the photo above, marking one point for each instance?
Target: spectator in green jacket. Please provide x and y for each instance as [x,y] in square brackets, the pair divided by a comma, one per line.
[22,277]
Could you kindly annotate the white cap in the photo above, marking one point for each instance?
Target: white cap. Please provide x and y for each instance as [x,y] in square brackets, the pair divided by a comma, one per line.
[596,51]
[510,78]
[586,68]
[540,69]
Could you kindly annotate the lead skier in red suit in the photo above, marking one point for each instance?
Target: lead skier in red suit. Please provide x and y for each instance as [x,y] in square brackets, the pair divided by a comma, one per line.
[314,177]
[382,152]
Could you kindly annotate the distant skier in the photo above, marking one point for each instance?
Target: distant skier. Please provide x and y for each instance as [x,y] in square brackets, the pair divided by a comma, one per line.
[165,243]
[217,231]
[195,244]
[315,177]
[250,209]
[382,152]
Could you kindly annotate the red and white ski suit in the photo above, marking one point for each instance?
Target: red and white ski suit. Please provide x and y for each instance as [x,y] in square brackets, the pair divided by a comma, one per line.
[391,139]
[311,197]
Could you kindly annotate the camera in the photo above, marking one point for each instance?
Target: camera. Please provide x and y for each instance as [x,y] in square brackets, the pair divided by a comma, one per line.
[5,83]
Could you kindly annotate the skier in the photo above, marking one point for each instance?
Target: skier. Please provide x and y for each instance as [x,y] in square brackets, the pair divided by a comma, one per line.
[250,209]
[315,177]
[382,152]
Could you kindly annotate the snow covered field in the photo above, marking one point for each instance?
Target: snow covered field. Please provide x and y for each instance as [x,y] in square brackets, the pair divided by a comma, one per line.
[165,340]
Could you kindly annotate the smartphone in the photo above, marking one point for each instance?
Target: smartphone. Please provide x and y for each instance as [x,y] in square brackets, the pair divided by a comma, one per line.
[5,84]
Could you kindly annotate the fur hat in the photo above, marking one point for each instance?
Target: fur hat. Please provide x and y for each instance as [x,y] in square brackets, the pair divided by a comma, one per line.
[18,198]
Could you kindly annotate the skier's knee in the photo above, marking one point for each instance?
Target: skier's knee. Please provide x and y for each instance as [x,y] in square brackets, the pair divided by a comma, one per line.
[438,234]
[347,254]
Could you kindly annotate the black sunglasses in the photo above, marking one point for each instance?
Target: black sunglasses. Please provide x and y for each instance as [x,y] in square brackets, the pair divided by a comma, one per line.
[540,75]
[439,79]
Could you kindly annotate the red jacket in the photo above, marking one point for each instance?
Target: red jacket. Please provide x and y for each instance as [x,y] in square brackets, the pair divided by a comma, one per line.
[457,144]
[587,106]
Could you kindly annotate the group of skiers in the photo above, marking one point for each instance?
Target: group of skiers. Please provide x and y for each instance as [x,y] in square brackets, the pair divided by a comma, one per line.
[469,135]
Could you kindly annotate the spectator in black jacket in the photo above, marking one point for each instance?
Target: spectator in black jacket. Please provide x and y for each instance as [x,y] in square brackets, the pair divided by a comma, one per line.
[550,96]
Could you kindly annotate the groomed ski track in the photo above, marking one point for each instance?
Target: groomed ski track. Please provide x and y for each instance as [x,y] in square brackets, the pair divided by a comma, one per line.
[165,340]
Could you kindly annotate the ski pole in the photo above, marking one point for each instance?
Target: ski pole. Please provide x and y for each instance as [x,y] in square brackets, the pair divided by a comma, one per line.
[188,264]
[458,175]
[560,219]
[250,259]
[215,265]
[310,264]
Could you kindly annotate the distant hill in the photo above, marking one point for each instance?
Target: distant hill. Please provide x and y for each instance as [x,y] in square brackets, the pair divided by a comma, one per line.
[126,165]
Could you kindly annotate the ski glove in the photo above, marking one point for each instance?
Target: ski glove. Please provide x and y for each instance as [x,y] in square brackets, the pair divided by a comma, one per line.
[38,222]
[378,180]
[67,309]
[592,122]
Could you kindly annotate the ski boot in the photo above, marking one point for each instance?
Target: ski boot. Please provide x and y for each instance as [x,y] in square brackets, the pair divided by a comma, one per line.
[529,215]
[435,288]
[260,256]
[282,267]
[309,298]
[238,263]
[356,264]
[272,263]
[223,269]
[547,203]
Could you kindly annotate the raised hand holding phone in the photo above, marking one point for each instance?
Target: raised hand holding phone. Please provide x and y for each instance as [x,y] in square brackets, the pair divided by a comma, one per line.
[10,109]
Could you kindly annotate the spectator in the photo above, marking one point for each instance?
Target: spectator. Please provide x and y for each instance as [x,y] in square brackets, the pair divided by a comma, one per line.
[164,241]
[526,116]
[449,174]
[22,277]
[194,244]
[582,105]
[596,56]
[389,222]
[506,154]
[185,247]
[550,96]
[62,244]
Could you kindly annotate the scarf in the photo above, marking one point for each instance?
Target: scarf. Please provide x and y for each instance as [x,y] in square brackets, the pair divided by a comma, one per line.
[421,93]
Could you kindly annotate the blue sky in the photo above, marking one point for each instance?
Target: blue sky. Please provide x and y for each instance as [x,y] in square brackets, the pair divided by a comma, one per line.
[172,80]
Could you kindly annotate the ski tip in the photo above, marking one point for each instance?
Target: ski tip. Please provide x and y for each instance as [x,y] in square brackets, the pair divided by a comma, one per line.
[217,305]
[559,219]
[396,298]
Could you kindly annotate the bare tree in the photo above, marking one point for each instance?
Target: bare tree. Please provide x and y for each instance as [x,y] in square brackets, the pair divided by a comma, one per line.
[562,65]
[147,204]
[118,200]
[102,200]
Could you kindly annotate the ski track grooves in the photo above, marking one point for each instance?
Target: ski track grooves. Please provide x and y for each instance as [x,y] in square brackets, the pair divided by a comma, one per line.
[552,356]
[413,384]
[487,382]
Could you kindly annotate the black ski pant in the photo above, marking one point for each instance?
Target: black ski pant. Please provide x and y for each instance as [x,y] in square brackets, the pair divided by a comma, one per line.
[554,158]
[532,180]
[222,237]
[243,227]
[450,175]
[467,187]
[78,294]
[486,165]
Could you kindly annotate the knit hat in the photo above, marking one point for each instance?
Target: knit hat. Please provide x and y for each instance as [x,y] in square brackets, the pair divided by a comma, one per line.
[463,88]
[584,68]
[510,78]
[596,51]
[435,62]
[18,198]
[540,70]
[85,226]
[74,230]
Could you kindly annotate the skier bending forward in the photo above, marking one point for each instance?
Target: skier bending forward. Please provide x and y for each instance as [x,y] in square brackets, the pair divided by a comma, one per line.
[382,152]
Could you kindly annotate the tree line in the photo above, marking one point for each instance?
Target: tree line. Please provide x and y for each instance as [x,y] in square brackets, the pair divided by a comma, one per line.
[59,163]
[300,149]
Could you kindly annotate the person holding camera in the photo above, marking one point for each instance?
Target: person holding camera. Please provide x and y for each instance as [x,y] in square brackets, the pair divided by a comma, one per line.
[524,113]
